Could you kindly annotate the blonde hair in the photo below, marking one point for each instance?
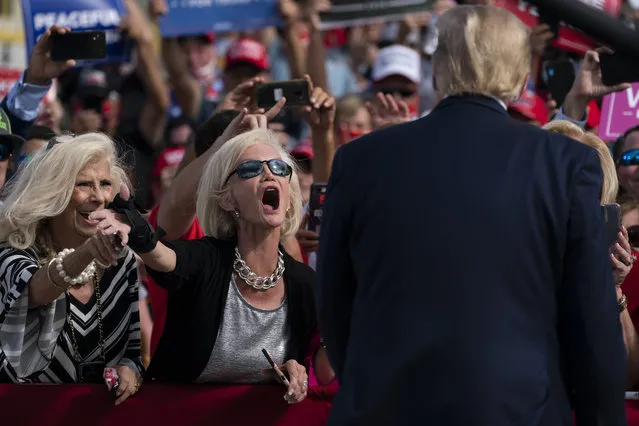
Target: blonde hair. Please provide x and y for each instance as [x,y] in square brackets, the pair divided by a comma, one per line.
[610,185]
[43,187]
[481,50]
[214,190]
[348,106]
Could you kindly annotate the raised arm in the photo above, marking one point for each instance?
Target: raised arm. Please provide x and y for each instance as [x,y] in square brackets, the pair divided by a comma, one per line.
[153,114]
[177,209]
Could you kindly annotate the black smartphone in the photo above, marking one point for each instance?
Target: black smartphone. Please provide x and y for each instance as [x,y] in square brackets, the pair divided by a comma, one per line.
[612,223]
[316,206]
[296,92]
[616,69]
[78,45]
[560,74]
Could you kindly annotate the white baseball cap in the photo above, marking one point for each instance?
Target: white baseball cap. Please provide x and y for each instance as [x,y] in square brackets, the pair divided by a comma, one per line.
[397,60]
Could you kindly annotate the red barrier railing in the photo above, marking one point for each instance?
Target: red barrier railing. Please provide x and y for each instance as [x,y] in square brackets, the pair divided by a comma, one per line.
[157,405]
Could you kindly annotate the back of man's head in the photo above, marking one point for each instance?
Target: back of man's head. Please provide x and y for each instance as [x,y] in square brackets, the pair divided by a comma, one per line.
[207,132]
[481,50]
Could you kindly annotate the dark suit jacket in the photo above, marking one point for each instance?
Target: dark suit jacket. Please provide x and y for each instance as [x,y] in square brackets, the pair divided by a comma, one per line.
[462,277]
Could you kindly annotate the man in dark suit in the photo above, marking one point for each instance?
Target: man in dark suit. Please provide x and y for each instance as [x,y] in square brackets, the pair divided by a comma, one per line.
[462,274]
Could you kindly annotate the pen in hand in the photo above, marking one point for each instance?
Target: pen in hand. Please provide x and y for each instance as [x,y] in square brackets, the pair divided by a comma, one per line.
[277,370]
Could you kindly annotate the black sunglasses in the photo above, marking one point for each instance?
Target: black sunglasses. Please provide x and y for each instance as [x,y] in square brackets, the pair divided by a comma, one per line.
[404,93]
[629,158]
[250,169]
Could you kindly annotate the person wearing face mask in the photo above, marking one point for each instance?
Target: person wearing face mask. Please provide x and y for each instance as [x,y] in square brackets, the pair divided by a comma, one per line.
[352,119]
[68,291]
[235,291]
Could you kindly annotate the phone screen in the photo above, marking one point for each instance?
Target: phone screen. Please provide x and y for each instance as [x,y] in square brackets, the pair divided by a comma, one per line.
[617,69]
[559,76]
[296,92]
[316,206]
[78,45]
[612,223]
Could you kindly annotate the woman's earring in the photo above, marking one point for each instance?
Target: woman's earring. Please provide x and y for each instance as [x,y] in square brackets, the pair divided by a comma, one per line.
[236,213]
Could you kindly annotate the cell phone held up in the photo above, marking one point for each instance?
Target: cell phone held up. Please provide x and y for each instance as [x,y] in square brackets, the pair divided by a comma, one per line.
[316,206]
[618,68]
[296,92]
[612,223]
[79,45]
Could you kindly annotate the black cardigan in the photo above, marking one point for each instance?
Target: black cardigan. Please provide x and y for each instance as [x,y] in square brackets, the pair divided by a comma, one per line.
[198,288]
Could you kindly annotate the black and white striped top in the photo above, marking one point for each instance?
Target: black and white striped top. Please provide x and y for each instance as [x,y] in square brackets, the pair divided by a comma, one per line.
[35,345]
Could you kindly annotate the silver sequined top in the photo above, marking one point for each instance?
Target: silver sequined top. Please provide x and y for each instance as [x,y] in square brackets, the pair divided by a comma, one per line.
[237,355]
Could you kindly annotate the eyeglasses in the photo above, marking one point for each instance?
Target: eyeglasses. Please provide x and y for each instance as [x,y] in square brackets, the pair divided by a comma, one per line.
[250,169]
[629,158]
[404,93]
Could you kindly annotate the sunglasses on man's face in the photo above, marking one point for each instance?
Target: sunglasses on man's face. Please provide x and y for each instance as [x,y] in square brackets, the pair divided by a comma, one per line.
[5,152]
[250,169]
[629,158]
[404,93]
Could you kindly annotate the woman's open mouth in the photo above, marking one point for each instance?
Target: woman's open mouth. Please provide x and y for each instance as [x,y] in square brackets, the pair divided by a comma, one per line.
[271,199]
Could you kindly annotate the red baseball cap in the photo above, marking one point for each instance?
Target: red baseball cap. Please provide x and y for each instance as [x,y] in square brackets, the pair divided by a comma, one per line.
[248,51]
[169,157]
[531,106]
[303,150]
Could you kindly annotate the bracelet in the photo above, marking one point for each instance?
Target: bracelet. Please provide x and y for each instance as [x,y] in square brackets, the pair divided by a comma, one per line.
[80,279]
[623,303]
[51,279]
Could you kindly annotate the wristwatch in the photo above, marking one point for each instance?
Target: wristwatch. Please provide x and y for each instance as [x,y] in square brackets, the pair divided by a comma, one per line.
[623,303]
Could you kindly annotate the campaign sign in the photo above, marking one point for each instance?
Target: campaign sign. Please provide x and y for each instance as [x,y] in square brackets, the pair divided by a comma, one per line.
[619,112]
[569,38]
[187,17]
[358,12]
[79,15]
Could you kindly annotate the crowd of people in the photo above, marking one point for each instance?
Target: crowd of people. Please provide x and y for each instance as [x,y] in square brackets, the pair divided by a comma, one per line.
[154,219]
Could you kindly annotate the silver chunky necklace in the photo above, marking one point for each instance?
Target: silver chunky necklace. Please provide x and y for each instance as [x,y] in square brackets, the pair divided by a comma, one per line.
[250,278]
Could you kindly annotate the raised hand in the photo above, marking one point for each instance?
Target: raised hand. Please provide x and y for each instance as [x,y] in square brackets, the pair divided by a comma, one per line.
[42,69]
[320,114]
[245,122]
[243,96]
[385,110]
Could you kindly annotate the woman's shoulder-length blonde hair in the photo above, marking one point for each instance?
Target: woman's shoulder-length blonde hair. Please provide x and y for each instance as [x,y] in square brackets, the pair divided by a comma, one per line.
[610,186]
[214,190]
[42,189]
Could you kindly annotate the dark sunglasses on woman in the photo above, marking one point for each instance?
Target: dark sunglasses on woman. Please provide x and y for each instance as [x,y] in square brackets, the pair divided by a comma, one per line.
[629,158]
[250,169]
